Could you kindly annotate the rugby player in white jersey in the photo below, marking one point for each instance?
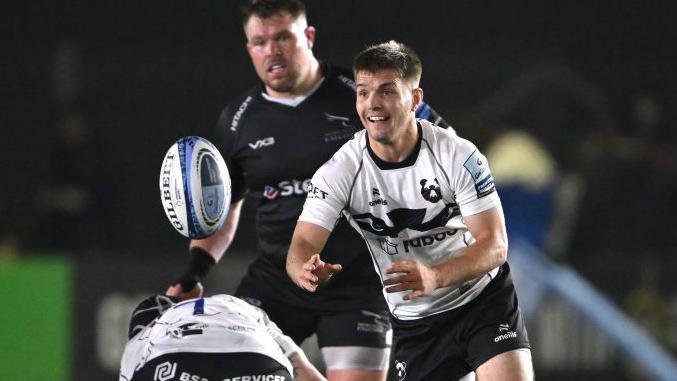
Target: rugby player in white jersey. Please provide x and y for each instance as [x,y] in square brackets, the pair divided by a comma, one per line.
[215,338]
[424,201]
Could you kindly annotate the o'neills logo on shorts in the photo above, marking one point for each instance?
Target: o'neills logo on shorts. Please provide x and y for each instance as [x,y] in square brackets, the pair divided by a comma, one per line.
[258,377]
[509,335]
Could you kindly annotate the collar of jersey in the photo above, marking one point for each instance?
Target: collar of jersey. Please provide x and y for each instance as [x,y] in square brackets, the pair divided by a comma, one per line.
[293,102]
[408,162]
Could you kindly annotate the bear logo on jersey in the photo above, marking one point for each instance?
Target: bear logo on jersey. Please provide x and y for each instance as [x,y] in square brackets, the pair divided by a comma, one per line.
[401,368]
[432,192]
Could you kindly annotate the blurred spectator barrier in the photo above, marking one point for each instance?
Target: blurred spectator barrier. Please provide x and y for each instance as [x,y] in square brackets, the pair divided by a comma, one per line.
[537,277]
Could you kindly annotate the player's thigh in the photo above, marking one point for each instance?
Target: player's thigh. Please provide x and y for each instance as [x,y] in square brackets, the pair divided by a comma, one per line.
[494,323]
[356,340]
[297,323]
[212,366]
[514,365]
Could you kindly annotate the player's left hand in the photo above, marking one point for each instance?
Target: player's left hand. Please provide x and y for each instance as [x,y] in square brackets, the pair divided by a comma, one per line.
[411,275]
[316,271]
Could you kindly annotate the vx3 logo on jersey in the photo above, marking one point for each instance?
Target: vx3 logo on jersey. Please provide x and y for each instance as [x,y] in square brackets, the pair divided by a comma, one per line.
[269,141]
[403,218]
[431,192]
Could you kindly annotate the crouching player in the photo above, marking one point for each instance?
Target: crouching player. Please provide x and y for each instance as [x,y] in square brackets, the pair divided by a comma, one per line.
[218,338]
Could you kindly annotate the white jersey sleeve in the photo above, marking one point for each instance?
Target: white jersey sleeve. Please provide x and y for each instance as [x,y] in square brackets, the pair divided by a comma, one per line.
[329,191]
[472,180]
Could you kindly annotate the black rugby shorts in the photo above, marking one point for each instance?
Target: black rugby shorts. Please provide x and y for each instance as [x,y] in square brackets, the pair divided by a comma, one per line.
[360,328]
[451,344]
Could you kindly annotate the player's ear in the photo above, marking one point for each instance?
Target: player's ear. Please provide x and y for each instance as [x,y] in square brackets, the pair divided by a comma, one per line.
[310,35]
[417,98]
[249,47]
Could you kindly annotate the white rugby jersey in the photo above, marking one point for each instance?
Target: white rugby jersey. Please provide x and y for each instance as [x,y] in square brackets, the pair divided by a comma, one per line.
[408,211]
[216,324]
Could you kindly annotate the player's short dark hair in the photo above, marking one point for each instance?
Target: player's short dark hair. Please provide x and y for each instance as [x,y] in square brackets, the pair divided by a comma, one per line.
[390,55]
[268,8]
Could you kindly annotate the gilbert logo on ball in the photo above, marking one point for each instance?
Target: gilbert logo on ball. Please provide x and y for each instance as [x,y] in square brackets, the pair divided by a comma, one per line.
[195,187]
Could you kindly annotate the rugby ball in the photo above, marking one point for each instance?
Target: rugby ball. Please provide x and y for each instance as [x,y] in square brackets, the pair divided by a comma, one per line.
[195,187]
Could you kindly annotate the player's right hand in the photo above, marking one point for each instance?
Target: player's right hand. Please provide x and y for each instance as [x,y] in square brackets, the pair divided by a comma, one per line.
[177,291]
[316,271]
[412,276]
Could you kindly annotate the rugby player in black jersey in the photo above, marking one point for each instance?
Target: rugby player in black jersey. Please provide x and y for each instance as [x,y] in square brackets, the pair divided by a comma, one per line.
[274,138]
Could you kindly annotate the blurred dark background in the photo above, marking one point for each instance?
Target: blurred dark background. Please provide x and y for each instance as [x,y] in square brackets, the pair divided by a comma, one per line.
[94,93]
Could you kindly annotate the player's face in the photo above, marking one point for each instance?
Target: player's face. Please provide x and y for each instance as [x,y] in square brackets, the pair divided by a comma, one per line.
[386,104]
[280,49]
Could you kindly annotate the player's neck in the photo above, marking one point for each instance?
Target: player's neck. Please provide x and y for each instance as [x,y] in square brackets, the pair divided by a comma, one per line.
[399,149]
[312,77]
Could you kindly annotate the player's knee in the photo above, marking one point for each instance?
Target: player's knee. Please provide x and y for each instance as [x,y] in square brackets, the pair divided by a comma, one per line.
[356,358]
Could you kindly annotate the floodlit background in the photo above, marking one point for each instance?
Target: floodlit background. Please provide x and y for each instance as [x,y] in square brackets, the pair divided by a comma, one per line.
[573,103]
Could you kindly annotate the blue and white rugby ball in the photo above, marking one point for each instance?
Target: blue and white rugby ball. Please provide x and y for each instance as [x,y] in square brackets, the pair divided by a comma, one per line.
[195,187]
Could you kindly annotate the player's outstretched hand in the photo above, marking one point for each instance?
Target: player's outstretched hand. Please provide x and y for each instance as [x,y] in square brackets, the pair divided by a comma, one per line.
[176,290]
[316,271]
[411,275]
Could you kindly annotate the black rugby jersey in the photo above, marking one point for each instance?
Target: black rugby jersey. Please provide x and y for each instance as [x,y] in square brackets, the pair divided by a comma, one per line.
[272,151]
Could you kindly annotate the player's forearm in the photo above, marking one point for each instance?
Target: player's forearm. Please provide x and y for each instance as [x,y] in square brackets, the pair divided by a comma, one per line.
[482,256]
[300,251]
[308,240]
[217,244]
